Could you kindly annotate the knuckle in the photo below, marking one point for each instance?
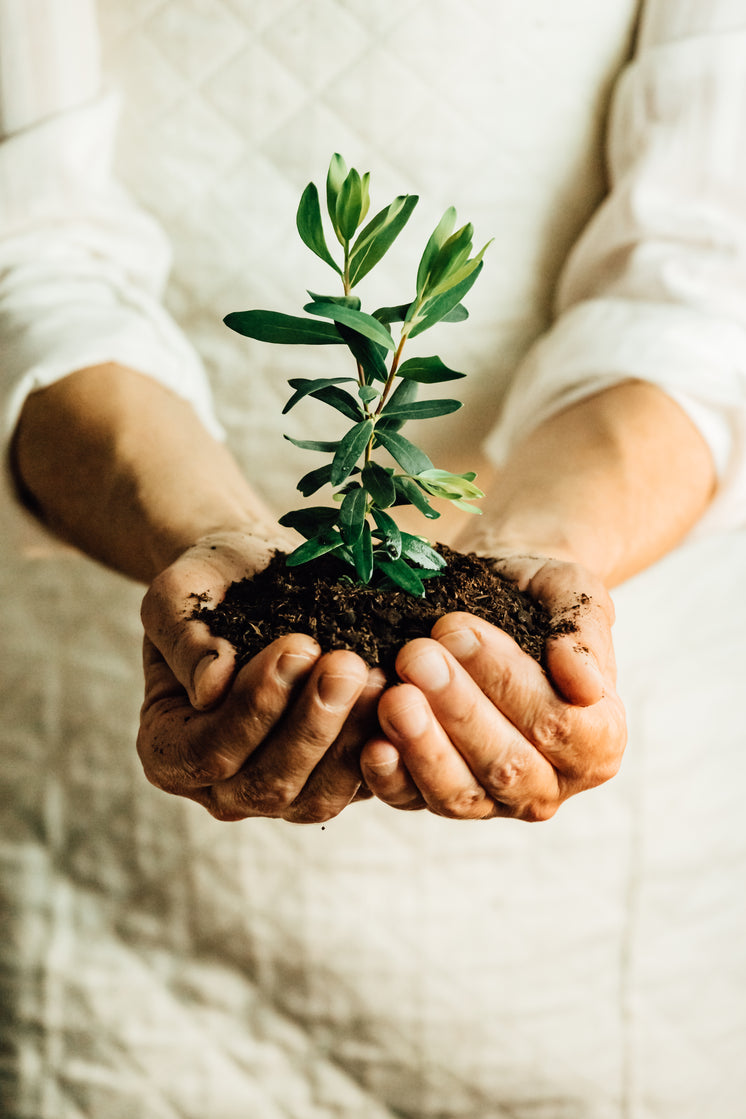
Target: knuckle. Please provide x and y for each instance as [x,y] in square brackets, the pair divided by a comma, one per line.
[504,775]
[259,799]
[311,810]
[465,804]
[553,728]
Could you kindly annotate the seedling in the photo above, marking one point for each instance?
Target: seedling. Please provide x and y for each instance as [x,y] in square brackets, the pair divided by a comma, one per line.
[360,529]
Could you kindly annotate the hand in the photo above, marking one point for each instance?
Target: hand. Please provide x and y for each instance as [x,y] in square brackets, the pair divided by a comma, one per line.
[477,729]
[279,738]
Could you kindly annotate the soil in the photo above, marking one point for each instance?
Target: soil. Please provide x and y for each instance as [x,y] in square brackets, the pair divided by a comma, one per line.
[320,600]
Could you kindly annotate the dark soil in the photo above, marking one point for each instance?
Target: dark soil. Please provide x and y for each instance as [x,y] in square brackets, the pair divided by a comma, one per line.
[319,600]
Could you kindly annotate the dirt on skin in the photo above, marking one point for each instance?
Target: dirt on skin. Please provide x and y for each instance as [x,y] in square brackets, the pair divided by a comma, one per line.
[319,599]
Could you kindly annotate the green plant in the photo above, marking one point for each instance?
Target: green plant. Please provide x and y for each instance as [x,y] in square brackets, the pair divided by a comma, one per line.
[360,530]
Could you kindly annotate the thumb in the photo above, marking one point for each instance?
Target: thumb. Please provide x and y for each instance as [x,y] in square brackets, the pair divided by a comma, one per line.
[203,664]
[574,671]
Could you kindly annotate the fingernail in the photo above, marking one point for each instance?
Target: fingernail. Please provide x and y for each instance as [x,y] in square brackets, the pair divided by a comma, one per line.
[291,667]
[462,643]
[429,671]
[337,690]
[200,670]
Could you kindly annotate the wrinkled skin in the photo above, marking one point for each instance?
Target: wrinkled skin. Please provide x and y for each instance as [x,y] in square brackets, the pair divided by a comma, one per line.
[476,729]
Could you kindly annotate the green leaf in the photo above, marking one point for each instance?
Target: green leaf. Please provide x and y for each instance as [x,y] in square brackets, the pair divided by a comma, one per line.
[349,205]
[357,320]
[351,447]
[314,520]
[313,444]
[379,483]
[352,514]
[308,220]
[343,300]
[421,552]
[427,370]
[409,493]
[379,235]
[453,487]
[308,386]
[290,330]
[342,401]
[392,314]
[365,190]
[314,480]
[362,554]
[450,256]
[458,314]
[438,237]
[367,353]
[368,394]
[335,177]
[442,305]
[313,548]
[388,529]
[421,409]
[410,458]
[402,575]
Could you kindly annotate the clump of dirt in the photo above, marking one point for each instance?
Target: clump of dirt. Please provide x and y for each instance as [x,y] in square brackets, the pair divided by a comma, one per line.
[320,600]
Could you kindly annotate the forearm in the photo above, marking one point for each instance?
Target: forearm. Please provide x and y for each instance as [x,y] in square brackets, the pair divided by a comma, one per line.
[123,469]
[612,483]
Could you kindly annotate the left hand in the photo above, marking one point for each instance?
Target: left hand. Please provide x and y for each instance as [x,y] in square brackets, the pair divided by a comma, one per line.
[478,729]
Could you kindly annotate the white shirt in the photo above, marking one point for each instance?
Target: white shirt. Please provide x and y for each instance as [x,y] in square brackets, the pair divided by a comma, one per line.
[655,288]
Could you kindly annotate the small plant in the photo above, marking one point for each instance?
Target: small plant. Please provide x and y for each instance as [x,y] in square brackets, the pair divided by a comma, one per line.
[360,530]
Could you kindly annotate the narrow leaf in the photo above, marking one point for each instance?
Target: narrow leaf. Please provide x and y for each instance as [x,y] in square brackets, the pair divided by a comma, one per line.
[357,320]
[342,401]
[273,326]
[411,494]
[362,554]
[439,235]
[315,479]
[410,458]
[458,314]
[313,444]
[312,549]
[307,386]
[352,514]
[374,243]
[336,176]
[392,314]
[443,304]
[380,484]
[421,409]
[308,220]
[422,553]
[311,521]
[390,533]
[402,575]
[427,370]
[351,447]
[349,205]
[343,300]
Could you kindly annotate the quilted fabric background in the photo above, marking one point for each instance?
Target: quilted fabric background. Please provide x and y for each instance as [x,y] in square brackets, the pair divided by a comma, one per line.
[157,964]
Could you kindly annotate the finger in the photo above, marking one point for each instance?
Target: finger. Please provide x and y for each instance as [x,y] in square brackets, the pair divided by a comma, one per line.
[183,750]
[272,779]
[584,745]
[387,777]
[337,778]
[502,766]
[579,650]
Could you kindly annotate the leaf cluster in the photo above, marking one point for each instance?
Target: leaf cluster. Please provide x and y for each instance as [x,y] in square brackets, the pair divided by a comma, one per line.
[383,394]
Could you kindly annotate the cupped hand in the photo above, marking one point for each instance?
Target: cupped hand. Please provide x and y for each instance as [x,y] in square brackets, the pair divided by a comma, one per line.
[478,729]
[282,736]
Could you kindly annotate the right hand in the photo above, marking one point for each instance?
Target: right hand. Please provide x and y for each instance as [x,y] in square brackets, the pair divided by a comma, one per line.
[282,736]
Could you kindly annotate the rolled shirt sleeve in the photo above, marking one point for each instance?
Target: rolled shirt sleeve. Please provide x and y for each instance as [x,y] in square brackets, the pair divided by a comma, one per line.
[655,289]
[82,269]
